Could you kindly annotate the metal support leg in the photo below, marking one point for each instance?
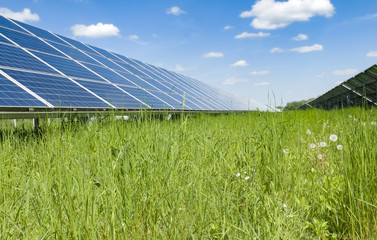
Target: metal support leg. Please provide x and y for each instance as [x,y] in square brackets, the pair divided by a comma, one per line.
[36,126]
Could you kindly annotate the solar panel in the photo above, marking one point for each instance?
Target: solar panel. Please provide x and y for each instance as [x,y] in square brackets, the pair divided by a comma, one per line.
[43,70]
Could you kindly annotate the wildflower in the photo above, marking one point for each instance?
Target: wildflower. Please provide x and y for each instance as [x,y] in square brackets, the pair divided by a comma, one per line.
[350,116]
[238,174]
[339,147]
[333,137]
[308,132]
[322,144]
[312,145]
[320,156]
[247,178]
[244,173]
[285,151]
[373,123]
[284,205]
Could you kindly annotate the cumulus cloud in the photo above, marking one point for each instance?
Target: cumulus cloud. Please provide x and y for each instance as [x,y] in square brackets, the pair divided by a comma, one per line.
[227,27]
[233,81]
[95,31]
[179,68]
[304,49]
[261,84]
[271,14]
[24,16]
[301,37]
[372,54]
[252,35]
[259,73]
[214,55]
[240,63]
[343,72]
[176,11]
[134,37]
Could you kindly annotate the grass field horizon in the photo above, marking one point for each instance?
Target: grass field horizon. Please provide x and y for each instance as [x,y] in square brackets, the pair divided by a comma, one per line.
[258,175]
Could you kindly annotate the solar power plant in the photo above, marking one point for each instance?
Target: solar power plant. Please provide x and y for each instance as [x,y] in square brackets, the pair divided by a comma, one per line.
[357,91]
[41,70]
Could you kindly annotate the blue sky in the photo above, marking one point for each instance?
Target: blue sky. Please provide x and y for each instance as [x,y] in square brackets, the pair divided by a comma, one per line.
[271,51]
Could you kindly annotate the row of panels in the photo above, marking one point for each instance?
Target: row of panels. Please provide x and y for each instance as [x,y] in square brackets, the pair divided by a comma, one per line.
[356,91]
[66,73]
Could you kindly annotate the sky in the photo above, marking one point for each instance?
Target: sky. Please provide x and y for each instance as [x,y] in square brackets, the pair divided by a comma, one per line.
[270,51]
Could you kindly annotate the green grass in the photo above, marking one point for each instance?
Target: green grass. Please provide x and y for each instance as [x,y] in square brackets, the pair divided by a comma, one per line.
[177,179]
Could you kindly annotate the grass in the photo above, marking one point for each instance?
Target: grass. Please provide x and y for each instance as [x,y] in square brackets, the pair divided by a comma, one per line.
[158,179]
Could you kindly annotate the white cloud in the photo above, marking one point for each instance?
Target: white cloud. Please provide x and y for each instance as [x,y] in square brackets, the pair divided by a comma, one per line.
[179,68]
[261,84]
[259,73]
[214,55]
[95,31]
[227,27]
[276,50]
[24,16]
[372,54]
[271,14]
[175,11]
[134,37]
[304,49]
[252,35]
[233,81]
[301,37]
[240,63]
[345,72]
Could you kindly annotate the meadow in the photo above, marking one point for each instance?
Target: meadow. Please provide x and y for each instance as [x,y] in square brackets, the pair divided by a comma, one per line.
[259,175]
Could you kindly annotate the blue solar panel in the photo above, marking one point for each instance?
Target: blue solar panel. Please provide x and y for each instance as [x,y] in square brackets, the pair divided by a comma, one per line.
[113,95]
[28,41]
[59,91]
[96,78]
[68,67]
[12,95]
[74,53]
[40,32]
[17,58]
[8,24]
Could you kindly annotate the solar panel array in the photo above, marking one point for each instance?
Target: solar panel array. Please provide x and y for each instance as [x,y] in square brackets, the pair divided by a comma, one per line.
[357,91]
[40,69]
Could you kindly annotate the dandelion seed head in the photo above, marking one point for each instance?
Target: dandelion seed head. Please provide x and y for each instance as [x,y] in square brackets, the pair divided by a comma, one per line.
[339,147]
[285,151]
[247,178]
[333,137]
[284,205]
[320,156]
[373,123]
[308,132]
[238,174]
[322,144]
[312,145]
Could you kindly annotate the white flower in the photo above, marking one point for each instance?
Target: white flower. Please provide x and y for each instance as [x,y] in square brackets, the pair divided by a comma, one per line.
[284,205]
[320,156]
[247,178]
[308,132]
[312,145]
[238,174]
[339,147]
[322,144]
[333,137]
[244,173]
[285,151]
[373,123]
[350,116]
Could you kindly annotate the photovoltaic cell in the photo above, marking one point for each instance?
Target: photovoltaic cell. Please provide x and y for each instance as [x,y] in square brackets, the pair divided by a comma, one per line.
[17,58]
[12,95]
[5,23]
[59,91]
